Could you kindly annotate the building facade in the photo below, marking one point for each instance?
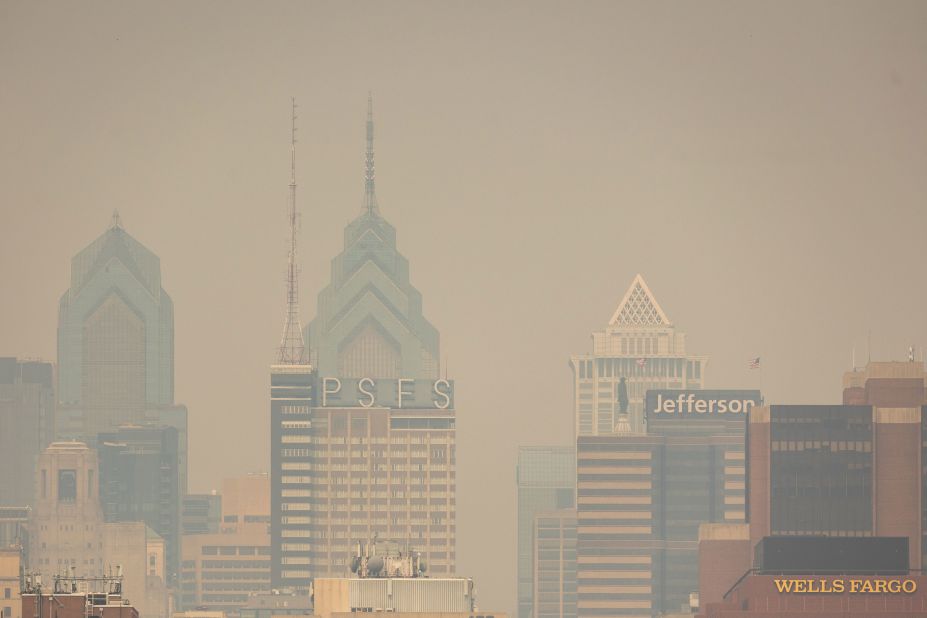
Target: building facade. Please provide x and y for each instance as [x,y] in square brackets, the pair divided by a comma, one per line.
[116,343]
[201,513]
[27,425]
[66,523]
[554,566]
[642,498]
[639,350]
[545,479]
[363,436]
[140,482]
[223,571]
[10,564]
[842,470]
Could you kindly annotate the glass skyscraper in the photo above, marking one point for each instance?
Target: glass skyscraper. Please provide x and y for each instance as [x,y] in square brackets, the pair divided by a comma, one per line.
[545,478]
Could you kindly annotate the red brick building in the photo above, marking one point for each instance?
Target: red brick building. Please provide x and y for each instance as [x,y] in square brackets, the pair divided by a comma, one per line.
[759,596]
[851,470]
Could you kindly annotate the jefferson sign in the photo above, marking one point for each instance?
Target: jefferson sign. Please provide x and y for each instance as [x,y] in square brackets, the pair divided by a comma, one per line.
[686,404]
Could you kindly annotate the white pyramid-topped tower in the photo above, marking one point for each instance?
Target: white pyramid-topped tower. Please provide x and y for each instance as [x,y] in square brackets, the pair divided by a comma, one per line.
[641,345]
[639,307]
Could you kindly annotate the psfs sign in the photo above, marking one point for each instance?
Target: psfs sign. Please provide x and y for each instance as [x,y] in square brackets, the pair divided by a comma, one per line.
[694,404]
[404,393]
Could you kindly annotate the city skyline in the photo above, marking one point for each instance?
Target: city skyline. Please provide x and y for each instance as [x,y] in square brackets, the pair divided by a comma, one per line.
[760,168]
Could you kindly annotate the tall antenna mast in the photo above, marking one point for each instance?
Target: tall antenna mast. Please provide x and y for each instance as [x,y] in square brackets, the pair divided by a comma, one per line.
[292,349]
[370,194]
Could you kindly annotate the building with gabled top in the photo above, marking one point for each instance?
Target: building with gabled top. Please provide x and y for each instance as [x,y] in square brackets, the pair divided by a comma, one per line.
[639,350]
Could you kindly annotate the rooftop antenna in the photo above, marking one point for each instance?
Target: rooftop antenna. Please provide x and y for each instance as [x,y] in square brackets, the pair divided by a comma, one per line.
[370,194]
[292,350]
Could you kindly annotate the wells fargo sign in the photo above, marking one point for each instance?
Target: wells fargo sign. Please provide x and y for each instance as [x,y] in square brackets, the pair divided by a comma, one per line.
[840,586]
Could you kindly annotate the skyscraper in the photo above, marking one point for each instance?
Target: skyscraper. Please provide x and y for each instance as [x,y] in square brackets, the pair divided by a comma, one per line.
[116,343]
[642,348]
[381,437]
[140,482]
[545,479]
[66,521]
[27,425]
[292,389]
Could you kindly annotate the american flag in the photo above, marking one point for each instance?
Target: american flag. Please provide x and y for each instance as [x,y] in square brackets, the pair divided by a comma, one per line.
[754,363]
[641,362]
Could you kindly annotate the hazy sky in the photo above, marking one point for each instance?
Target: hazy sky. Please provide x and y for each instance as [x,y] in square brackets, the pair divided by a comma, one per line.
[763,165]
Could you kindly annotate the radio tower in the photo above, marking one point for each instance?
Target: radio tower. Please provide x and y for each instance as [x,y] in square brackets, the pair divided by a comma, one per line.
[292,350]
[370,194]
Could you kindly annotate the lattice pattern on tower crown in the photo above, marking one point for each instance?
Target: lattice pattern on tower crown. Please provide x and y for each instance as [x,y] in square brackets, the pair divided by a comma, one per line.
[639,308]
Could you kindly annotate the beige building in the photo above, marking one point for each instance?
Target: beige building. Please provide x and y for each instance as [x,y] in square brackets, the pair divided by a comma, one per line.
[10,603]
[68,534]
[139,551]
[641,347]
[221,571]
[66,523]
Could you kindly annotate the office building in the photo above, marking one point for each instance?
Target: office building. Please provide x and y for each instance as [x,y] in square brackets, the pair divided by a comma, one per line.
[139,553]
[222,571]
[363,439]
[545,478]
[639,350]
[389,576]
[27,425]
[554,567]
[276,603]
[10,573]
[116,343]
[642,497]
[140,482]
[844,470]
[201,513]
[14,526]
[66,521]
[800,576]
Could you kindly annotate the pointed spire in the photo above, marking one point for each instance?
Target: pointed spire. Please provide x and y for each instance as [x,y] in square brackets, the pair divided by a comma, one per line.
[116,222]
[292,349]
[370,194]
[639,307]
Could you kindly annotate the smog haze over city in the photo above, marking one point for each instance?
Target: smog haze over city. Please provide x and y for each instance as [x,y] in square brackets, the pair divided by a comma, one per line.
[760,164]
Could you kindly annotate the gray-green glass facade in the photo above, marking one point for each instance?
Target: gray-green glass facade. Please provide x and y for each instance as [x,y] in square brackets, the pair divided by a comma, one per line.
[545,477]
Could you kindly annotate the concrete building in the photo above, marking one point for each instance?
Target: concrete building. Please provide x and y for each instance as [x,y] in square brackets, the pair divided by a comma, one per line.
[554,566]
[201,513]
[27,425]
[66,523]
[116,343]
[545,479]
[14,526]
[363,442]
[140,553]
[277,603]
[642,497]
[221,572]
[10,574]
[140,482]
[640,348]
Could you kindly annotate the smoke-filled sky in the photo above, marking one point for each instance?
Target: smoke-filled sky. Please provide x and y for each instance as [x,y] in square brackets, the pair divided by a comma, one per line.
[761,164]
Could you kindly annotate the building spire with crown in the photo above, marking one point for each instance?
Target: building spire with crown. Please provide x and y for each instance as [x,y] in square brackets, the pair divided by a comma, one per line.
[370,194]
[292,349]
[116,222]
